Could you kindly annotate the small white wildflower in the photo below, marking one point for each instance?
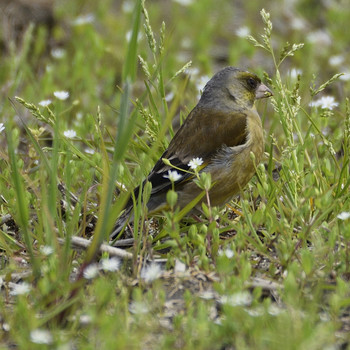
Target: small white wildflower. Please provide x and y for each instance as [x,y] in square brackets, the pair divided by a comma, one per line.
[61,95]
[70,134]
[343,215]
[91,271]
[151,272]
[85,319]
[79,116]
[328,102]
[325,102]
[229,253]
[336,60]
[345,76]
[89,151]
[324,317]
[45,103]
[297,23]
[325,131]
[186,43]
[46,250]
[138,307]
[243,32]
[6,327]
[193,71]
[184,2]
[84,19]
[41,336]
[237,299]
[128,6]
[179,267]
[170,96]
[319,38]
[20,288]
[207,295]
[255,312]
[112,264]
[195,163]
[2,127]
[183,57]
[274,310]
[58,53]
[129,34]
[294,72]
[173,175]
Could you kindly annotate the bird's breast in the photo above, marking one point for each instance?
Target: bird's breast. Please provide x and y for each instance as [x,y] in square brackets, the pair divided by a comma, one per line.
[233,167]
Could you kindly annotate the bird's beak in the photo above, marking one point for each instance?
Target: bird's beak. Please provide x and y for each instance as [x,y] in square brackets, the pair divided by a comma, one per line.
[262,92]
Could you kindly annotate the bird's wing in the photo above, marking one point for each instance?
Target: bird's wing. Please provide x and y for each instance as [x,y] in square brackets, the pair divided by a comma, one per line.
[202,135]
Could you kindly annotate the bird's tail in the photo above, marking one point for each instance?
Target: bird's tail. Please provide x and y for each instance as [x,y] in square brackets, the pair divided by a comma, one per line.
[121,223]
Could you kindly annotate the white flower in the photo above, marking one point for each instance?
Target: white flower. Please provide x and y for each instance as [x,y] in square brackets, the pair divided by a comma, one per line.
[129,34]
[45,103]
[170,96]
[207,294]
[2,127]
[325,102]
[336,60]
[91,271]
[85,319]
[173,175]
[186,43]
[344,215]
[61,95]
[237,299]
[6,327]
[151,272]
[84,19]
[127,6]
[41,336]
[274,310]
[255,312]
[70,134]
[345,76]
[184,2]
[179,267]
[112,264]
[58,53]
[89,151]
[228,252]
[319,38]
[297,23]
[138,307]
[294,72]
[195,163]
[243,32]
[46,249]
[20,288]
[193,71]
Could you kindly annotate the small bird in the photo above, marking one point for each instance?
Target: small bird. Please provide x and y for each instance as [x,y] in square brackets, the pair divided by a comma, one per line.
[221,130]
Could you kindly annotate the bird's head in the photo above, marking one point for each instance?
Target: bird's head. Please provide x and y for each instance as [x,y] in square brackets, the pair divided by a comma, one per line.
[232,88]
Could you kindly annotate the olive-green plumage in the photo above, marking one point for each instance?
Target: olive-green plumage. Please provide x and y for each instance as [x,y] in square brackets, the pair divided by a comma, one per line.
[222,129]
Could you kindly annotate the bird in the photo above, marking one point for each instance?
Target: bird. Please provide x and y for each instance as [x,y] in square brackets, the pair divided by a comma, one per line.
[220,132]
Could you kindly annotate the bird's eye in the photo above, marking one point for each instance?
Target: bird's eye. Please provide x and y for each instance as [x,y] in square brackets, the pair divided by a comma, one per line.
[252,83]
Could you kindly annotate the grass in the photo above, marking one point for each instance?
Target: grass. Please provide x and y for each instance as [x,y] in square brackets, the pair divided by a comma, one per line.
[276,276]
